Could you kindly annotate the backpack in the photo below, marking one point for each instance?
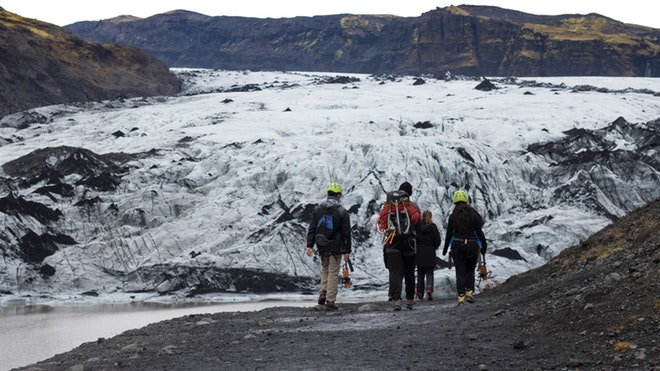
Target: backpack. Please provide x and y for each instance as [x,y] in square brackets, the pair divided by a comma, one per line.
[325,229]
[398,220]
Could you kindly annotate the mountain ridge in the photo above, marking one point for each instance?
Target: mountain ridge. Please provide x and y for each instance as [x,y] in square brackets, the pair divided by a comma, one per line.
[470,40]
[43,64]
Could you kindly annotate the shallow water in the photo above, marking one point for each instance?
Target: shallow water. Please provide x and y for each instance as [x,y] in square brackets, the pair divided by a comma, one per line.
[32,333]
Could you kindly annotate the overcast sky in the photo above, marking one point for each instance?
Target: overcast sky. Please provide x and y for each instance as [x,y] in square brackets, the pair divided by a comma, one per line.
[64,12]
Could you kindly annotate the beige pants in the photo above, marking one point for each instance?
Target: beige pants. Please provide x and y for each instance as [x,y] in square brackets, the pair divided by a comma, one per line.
[329,275]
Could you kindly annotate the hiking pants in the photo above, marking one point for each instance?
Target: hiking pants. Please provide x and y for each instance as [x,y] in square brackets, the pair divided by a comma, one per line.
[465,268]
[330,264]
[402,268]
[424,280]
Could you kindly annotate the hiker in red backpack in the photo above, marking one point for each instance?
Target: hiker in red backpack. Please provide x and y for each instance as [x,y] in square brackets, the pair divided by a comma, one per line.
[428,241]
[397,220]
[330,231]
[467,241]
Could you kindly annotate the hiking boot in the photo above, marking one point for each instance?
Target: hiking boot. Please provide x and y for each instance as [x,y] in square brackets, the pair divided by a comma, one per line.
[419,298]
[322,298]
[331,306]
[396,304]
[461,300]
[410,303]
[469,296]
[429,294]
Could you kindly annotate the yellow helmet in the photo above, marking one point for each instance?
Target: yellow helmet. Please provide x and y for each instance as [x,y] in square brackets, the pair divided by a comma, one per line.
[334,187]
[460,196]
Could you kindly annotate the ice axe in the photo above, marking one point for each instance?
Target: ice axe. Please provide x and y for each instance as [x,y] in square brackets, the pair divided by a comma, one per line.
[483,272]
[346,279]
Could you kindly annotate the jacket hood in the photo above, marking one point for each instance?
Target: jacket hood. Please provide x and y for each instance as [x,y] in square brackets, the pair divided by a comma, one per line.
[330,201]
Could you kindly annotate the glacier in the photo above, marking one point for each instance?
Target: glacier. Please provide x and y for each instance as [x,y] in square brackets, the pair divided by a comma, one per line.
[209,193]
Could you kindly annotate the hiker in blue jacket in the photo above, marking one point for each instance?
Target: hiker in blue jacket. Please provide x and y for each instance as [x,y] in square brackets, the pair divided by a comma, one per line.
[467,241]
[330,247]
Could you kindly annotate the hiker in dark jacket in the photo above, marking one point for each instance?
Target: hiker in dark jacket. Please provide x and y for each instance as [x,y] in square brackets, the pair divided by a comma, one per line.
[399,250]
[428,241]
[331,250]
[467,241]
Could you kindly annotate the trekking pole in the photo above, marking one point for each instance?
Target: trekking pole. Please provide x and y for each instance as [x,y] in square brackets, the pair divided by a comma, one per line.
[350,264]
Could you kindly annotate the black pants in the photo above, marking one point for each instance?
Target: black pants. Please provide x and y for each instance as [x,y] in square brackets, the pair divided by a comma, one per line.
[424,280]
[402,268]
[465,266]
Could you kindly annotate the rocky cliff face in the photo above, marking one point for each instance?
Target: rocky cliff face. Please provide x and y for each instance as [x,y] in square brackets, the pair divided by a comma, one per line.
[42,64]
[470,40]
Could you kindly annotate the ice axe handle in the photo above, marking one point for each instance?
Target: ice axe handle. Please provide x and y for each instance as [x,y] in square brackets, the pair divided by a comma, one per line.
[350,265]
[483,272]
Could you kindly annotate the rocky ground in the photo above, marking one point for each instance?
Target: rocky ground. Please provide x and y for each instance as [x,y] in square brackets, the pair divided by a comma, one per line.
[596,306]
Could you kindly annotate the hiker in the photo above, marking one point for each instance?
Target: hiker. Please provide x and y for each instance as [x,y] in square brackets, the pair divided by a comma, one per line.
[428,241]
[331,244]
[399,242]
[467,241]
